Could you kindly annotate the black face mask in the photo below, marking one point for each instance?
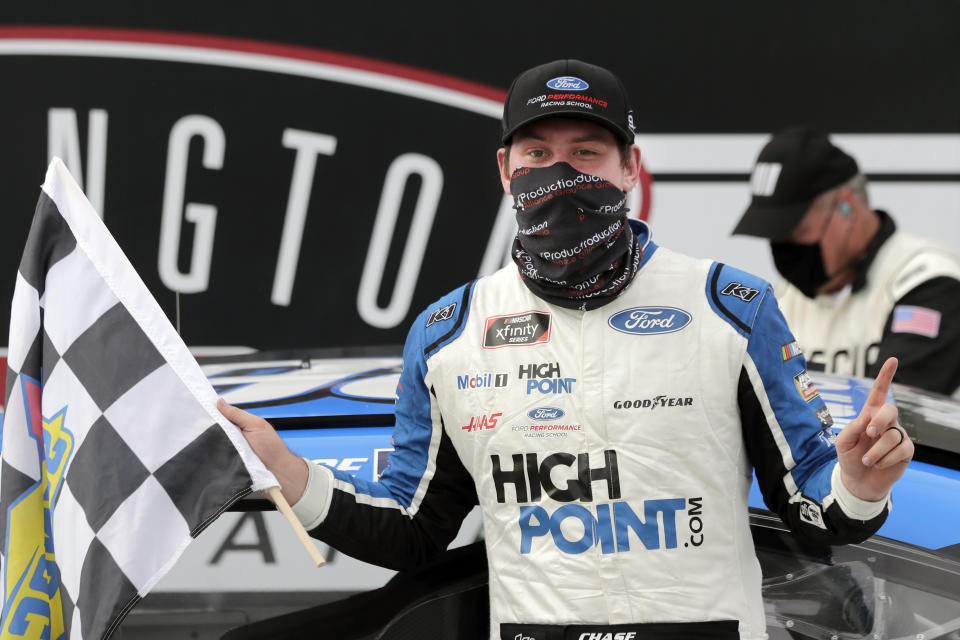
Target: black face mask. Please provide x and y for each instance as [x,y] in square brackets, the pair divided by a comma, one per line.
[801,265]
[574,247]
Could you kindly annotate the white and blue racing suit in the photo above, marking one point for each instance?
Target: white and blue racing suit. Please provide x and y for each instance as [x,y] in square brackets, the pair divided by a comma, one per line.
[610,450]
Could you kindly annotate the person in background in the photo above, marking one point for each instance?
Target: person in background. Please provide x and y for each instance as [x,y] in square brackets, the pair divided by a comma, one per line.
[856,289]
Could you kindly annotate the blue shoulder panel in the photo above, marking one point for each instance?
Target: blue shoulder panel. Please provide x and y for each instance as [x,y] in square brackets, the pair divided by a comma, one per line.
[444,320]
[435,327]
[797,406]
[747,303]
[735,296]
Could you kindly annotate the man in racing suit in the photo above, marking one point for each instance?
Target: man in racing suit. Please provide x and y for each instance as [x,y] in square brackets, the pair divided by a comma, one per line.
[604,402]
[856,290]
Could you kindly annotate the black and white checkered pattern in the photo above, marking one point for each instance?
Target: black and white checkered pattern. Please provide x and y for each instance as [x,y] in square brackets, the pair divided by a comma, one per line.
[150,461]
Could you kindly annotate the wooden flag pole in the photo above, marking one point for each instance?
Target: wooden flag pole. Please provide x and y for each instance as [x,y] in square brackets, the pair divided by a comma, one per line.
[284,508]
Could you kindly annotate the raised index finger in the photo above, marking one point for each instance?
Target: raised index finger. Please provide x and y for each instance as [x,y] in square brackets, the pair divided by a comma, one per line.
[881,386]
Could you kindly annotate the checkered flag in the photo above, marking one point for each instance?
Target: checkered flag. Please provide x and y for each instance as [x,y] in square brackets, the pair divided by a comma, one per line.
[114,455]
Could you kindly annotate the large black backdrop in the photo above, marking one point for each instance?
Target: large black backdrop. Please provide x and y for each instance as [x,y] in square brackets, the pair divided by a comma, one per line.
[703,67]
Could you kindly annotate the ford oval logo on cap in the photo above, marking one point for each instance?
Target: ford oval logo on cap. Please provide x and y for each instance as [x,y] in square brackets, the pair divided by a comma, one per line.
[650,320]
[568,83]
[545,413]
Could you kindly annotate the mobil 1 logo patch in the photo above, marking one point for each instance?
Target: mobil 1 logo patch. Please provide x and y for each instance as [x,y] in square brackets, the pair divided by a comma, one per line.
[517,330]
[441,314]
[738,290]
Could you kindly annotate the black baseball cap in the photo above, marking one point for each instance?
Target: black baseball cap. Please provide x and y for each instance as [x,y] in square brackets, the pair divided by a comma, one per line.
[796,166]
[572,89]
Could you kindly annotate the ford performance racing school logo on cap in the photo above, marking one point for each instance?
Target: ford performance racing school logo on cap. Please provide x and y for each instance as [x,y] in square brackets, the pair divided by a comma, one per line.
[650,320]
[568,83]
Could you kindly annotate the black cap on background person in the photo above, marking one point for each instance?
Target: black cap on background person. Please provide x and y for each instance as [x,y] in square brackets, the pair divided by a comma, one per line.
[809,200]
[796,165]
[572,89]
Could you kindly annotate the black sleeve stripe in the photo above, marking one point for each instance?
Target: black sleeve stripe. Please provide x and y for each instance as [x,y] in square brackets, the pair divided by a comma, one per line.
[460,318]
[389,538]
[762,449]
[719,305]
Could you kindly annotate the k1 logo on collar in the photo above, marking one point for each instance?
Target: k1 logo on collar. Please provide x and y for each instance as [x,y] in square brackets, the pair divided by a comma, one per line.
[443,313]
[519,329]
[740,291]
[650,320]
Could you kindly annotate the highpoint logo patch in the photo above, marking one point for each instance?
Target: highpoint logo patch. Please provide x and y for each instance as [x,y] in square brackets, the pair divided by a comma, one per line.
[545,378]
[552,386]
[575,528]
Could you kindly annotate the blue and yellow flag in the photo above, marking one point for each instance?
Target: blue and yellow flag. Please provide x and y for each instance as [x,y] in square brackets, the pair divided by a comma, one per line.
[31,580]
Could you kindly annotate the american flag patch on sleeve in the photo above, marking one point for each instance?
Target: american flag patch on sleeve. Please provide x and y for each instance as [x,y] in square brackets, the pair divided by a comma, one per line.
[918,320]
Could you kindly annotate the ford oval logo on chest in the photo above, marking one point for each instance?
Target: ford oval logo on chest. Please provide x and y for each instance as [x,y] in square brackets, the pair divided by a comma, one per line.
[546,413]
[568,83]
[650,320]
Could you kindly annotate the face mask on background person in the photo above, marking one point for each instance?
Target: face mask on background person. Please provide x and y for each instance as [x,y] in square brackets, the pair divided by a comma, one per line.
[574,247]
[801,265]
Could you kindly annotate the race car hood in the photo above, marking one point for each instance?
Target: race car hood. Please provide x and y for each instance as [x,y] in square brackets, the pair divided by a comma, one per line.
[310,391]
